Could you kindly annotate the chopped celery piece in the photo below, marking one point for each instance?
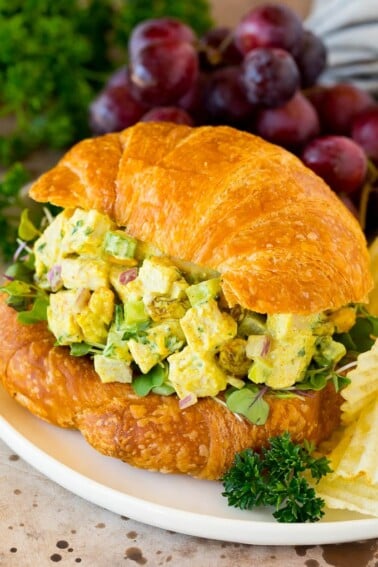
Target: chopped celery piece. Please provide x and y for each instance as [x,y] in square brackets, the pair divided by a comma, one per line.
[203,291]
[260,371]
[329,351]
[119,244]
[135,312]
[252,324]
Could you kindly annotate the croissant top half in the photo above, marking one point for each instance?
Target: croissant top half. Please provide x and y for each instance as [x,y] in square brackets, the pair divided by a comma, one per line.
[223,199]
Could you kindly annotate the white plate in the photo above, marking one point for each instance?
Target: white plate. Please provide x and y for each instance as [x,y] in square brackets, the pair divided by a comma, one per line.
[173,502]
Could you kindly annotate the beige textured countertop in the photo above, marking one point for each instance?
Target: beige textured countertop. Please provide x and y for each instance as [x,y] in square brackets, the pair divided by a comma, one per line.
[42,524]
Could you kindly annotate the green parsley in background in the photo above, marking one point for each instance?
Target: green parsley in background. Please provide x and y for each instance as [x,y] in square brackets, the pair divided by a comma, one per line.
[55,56]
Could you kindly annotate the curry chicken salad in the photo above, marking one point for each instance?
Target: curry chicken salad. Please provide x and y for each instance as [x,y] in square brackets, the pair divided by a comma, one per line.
[163,326]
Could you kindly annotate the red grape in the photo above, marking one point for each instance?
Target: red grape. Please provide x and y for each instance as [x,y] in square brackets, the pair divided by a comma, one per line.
[159,29]
[119,77]
[194,100]
[115,108]
[226,100]
[339,105]
[365,132]
[163,71]
[167,114]
[291,125]
[270,76]
[338,160]
[315,95]
[251,78]
[311,58]
[269,25]
[217,49]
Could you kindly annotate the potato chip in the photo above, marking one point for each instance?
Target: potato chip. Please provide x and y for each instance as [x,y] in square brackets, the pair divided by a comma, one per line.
[353,484]
[349,494]
[326,447]
[336,446]
[357,453]
[363,388]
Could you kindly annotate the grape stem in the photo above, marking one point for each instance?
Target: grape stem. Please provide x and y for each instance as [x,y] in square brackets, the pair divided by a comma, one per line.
[214,54]
[371,178]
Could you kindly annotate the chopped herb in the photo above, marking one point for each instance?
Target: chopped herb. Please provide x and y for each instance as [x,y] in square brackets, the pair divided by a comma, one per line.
[172,343]
[136,331]
[76,226]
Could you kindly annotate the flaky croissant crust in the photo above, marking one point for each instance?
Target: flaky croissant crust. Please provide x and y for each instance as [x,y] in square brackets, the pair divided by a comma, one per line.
[148,432]
[224,199]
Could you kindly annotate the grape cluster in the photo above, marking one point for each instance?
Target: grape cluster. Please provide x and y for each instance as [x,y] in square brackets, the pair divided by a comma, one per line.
[260,77]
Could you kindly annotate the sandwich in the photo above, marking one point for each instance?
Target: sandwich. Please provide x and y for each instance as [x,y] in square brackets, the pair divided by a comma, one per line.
[188,299]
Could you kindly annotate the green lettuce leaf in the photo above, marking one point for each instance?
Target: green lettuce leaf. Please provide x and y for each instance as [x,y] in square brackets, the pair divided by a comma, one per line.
[361,337]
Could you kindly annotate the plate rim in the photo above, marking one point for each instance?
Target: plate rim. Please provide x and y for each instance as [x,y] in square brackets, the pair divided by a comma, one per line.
[252,532]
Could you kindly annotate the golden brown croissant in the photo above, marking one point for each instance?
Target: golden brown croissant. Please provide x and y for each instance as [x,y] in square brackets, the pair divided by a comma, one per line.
[215,197]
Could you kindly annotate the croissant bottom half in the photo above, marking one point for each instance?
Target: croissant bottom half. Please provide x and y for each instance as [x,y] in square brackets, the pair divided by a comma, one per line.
[149,432]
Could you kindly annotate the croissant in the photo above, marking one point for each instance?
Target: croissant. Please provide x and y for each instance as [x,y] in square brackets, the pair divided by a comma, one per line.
[216,198]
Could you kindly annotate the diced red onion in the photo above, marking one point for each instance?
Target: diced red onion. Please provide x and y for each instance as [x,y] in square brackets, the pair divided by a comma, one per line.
[54,277]
[128,276]
[9,278]
[189,400]
[265,346]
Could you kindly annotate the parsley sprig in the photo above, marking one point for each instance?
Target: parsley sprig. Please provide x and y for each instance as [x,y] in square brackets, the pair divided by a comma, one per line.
[56,56]
[277,477]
